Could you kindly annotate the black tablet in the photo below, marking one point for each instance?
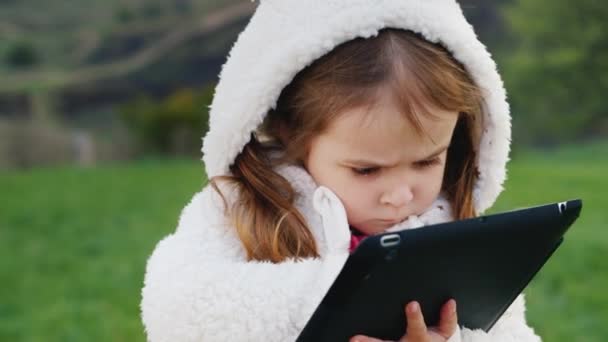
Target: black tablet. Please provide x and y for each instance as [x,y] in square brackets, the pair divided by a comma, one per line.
[484,263]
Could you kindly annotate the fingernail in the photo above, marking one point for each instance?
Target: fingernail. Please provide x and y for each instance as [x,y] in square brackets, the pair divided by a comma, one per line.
[453,306]
[414,307]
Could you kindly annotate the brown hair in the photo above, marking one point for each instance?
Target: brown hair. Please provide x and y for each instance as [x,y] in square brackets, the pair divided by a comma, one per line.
[421,75]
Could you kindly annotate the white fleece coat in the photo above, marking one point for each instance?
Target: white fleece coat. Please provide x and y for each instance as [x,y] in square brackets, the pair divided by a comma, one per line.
[198,284]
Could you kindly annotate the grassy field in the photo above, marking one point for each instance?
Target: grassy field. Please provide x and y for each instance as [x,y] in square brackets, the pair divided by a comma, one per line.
[567,301]
[73,244]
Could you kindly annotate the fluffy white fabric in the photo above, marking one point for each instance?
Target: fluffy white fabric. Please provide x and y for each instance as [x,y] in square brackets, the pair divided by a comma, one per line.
[199,287]
[198,284]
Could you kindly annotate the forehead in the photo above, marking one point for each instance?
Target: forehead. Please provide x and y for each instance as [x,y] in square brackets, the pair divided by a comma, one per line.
[383,131]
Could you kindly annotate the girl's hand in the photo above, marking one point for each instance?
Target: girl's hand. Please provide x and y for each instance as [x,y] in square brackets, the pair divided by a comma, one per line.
[416,328]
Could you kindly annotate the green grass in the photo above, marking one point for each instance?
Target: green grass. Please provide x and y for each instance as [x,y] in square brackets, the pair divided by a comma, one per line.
[73,244]
[567,300]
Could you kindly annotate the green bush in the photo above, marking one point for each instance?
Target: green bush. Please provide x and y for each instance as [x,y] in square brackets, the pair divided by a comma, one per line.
[557,72]
[124,15]
[173,125]
[22,54]
[151,10]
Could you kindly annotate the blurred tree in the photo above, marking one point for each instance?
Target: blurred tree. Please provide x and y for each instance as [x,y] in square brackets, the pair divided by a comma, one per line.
[22,54]
[151,10]
[173,125]
[486,17]
[557,75]
[124,15]
[183,6]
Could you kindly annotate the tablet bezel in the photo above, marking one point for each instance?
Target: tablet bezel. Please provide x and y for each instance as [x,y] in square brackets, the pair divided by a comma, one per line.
[487,261]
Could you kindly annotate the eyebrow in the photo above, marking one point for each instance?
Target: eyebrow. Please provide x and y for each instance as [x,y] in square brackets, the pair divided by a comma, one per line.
[371,162]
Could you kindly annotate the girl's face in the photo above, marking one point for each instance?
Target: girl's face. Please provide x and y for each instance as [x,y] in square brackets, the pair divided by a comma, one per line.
[378,164]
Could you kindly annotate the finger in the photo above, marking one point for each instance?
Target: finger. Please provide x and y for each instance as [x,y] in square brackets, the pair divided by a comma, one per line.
[363,338]
[416,328]
[448,319]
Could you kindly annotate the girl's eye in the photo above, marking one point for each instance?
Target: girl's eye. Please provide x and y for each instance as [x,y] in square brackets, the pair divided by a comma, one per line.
[365,171]
[428,163]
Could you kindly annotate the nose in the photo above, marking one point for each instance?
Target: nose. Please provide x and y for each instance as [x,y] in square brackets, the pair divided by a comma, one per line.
[398,196]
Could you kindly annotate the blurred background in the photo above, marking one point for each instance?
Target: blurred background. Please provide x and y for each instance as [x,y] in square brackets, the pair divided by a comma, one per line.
[102,109]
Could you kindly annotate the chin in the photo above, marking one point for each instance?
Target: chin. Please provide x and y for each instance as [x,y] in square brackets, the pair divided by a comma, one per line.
[371,230]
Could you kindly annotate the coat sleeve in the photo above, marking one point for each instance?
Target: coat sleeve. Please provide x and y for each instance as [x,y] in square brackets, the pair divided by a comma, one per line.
[194,292]
[511,327]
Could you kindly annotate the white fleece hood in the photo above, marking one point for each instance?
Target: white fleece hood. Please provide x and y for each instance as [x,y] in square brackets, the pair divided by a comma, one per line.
[265,59]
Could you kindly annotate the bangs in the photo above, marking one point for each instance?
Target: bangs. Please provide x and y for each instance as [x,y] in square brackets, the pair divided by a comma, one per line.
[421,77]
[425,77]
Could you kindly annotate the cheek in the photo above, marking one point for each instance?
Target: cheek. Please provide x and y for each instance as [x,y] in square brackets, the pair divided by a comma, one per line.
[351,192]
[430,187]
[357,199]
[356,196]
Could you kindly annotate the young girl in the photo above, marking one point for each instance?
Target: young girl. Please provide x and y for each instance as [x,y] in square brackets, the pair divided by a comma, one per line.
[333,120]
